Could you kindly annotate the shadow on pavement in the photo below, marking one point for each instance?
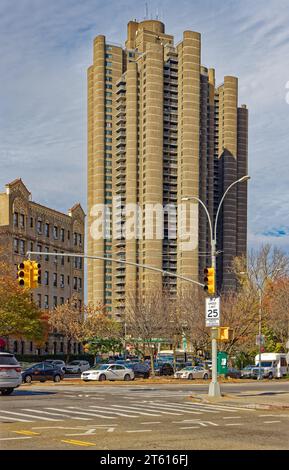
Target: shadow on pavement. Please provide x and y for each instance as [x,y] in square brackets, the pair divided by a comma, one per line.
[262,394]
[21,393]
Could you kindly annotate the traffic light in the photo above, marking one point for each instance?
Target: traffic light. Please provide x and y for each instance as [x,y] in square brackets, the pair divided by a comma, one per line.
[24,274]
[209,280]
[225,333]
[35,274]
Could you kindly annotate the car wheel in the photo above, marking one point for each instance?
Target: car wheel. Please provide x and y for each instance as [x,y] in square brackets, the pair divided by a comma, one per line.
[7,391]
[190,377]
[28,379]
[205,377]
[102,377]
[127,377]
[270,376]
[57,378]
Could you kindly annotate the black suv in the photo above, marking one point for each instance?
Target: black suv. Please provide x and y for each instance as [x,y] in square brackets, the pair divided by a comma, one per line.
[42,372]
[140,369]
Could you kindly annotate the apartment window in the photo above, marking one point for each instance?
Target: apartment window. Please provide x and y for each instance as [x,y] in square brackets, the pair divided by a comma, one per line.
[46,301]
[108,147]
[31,222]
[108,79]
[108,186]
[16,245]
[39,300]
[22,247]
[39,249]
[68,235]
[54,279]
[75,283]
[15,219]
[108,93]
[31,246]
[108,301]
[31,346]
[108,140]
[39,227]
[61,300]
[79,283]
[108,132]
[68,280]
[54,301]
[62,260]
[108,117]
[46,230]
[46,249]
[62,234]
[109,124]
[75,239]
[55,232]
[55,257]
[108,72]
[108,56]
[22,220]
[108,63]
[108,86]
[108,102]
[46,278]
[108,286]
[62,280]
[108,109]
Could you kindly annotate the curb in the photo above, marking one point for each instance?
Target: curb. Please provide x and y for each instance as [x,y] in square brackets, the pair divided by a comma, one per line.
[256,406]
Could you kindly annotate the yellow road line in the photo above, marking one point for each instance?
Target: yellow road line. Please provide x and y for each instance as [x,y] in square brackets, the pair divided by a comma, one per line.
[78,443]
[27,433]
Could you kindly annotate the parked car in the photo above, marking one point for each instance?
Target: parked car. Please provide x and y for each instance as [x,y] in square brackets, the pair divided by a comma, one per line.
[140,369]
[10,373]
[108,372]
[246,372]
[42,372]
[233,373]
[165,368]
[76,367]
[266,373]
[192,372]
[57,363]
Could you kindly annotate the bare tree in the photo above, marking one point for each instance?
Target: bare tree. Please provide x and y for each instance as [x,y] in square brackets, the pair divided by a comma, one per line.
[146,320]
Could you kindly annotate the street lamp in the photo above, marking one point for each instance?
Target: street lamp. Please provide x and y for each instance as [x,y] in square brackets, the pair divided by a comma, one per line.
[214,388]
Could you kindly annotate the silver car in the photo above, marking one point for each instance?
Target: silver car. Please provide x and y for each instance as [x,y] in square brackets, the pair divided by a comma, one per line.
[76,367]
[10,373]
[193,372]
[108,372]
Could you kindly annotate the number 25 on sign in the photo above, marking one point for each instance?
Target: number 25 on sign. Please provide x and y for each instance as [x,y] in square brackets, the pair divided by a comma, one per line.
[213,311]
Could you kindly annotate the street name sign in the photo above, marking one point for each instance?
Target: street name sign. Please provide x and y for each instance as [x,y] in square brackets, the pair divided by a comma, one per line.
[213,311]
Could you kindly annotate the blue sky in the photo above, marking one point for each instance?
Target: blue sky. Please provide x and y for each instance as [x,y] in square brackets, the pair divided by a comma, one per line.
[46,47]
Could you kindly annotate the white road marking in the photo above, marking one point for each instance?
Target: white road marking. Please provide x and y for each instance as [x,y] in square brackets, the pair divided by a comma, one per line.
[18,419]
[123,408]
[13,438]
[234,424]
[48,413]
[108,412]
[29,416]
[152,408]
[82,413]
[140,430]
[232,417]
[179,408]
[191,427]
[151,422]
[271,422]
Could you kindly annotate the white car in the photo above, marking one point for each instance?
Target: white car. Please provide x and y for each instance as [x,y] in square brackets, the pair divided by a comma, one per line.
[108,372]
[10,373]
[193,372]
[76,367]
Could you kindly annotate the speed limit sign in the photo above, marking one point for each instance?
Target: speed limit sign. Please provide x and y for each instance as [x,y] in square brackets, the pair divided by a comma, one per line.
[213,311]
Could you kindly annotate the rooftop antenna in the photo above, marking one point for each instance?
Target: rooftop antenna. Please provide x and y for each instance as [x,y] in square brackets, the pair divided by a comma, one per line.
[147,12]
[157,14]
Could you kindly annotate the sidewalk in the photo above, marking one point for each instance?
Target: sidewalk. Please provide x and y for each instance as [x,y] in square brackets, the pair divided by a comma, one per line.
[278,400]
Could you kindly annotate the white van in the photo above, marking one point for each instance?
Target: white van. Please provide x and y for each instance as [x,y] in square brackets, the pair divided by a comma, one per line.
[274,364]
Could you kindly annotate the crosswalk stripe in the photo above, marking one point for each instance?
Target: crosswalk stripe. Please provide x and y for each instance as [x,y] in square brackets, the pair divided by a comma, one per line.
[151,409]
[63,415]
[93,415]
[109,412]
[170,407]
[18,419]
[29,416]
[224,407]
[189,407]
[145,413]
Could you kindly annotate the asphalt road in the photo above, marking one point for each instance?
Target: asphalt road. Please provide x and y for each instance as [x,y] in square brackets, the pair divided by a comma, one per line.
[138,417]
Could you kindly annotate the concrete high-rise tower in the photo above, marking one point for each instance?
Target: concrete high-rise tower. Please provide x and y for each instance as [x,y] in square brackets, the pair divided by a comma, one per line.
[160,130]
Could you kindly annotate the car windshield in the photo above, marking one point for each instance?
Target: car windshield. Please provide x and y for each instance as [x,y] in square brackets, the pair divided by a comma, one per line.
[74,363]
[101,367]
[188,368]
[265,364]
[8,360]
